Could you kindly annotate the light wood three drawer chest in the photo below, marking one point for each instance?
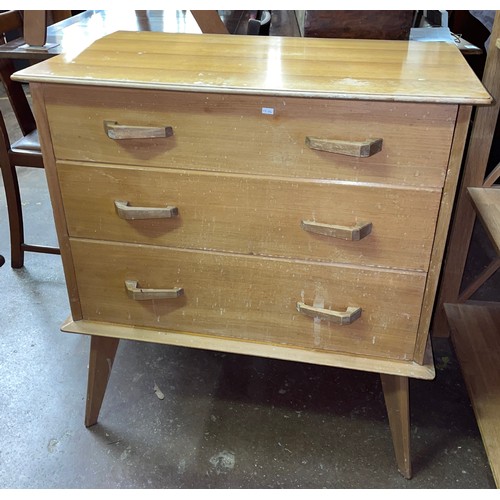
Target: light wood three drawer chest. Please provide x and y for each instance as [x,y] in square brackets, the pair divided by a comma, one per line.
[278,197]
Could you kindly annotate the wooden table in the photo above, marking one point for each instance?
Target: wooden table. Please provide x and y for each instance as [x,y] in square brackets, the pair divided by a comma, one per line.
[77,32]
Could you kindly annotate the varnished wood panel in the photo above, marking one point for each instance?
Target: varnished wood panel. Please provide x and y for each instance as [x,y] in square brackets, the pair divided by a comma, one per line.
[251,298]
[404,71]
[251,215]
[235,134]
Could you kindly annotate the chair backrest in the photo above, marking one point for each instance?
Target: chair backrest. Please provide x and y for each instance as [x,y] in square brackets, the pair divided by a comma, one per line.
[11,21]
[209,21]
[35,23]
[374,24]
[17,98]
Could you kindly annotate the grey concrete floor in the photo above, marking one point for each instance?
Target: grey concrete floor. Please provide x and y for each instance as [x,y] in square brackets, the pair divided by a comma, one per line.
[227,421]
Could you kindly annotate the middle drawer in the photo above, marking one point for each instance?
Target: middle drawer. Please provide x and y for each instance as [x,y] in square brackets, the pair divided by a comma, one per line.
[252,215]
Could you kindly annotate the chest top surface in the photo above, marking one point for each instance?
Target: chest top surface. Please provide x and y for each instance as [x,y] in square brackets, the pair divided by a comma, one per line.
[308,67]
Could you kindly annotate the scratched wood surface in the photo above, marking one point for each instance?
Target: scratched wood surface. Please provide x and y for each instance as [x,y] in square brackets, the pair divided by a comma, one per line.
[424,371]
[250,297]
[251,215]
[224,133]
[334,68]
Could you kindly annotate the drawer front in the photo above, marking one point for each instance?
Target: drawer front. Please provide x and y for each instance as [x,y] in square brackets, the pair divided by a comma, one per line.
[250,298]
[253,134]
[251,215]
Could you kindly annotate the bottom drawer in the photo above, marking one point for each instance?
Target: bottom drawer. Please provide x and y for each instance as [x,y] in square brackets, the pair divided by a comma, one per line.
[251,298]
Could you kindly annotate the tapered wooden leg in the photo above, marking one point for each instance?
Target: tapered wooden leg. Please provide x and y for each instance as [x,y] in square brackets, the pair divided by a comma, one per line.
[397,402]
[102,355]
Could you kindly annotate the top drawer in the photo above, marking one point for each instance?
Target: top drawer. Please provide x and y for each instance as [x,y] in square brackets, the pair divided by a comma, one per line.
[262,135]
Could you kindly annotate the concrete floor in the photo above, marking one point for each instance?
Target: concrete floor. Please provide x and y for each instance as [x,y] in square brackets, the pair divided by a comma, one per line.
[226,421]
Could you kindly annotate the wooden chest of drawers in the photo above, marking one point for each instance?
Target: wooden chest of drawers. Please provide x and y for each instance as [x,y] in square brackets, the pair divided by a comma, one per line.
[287,198]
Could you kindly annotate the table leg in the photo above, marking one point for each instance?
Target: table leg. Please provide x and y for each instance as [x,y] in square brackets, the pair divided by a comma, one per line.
[102,355]
[397,402]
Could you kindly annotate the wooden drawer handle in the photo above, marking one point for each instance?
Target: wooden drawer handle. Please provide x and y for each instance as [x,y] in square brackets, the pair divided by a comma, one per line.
[352,233]
[115,131]
[361,149]
[347,317]
[125,211]
[136,293]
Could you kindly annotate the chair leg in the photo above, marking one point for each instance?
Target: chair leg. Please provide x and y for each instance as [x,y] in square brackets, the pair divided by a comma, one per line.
[14,209]
[102,355]
[397,402]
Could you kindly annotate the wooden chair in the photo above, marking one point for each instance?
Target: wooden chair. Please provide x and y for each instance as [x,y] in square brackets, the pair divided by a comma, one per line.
[366,24]
[24,152]
[209,21]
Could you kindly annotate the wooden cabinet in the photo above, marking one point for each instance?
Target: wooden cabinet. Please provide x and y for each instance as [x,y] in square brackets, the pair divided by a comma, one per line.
[287,198]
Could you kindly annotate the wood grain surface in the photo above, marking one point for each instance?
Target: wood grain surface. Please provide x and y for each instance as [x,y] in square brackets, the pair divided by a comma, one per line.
[251,215]
[334,68]
[251,298]
[224,133]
